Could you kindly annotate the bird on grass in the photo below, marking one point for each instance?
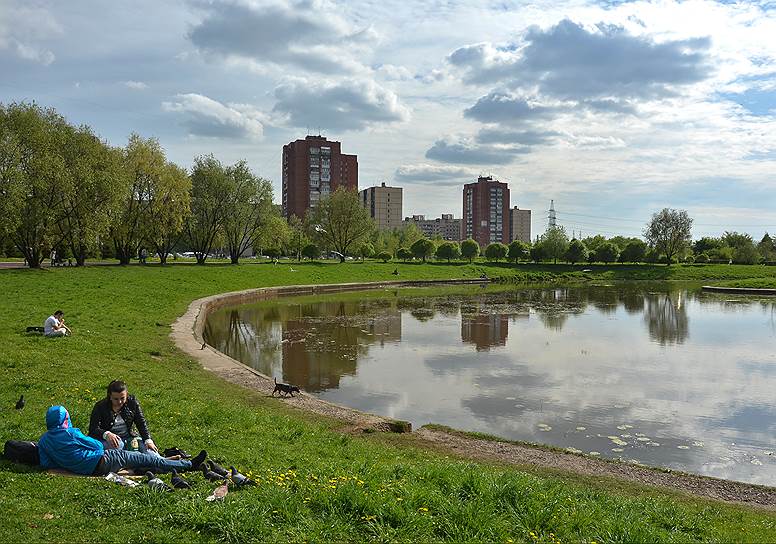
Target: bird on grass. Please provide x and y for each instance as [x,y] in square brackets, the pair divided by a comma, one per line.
[219,493]
[178,482]
[20,403]
[209,475]
[218,469]
[240,479]
[155,483]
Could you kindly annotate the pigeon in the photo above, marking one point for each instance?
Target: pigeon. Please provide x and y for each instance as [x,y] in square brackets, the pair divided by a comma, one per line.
[210,475]
[178,482]
[219,493]
[20,403]
[155,483]
[240,479]
[218,469]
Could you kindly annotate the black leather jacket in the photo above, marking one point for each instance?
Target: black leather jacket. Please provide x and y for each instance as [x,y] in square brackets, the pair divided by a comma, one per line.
[102,418]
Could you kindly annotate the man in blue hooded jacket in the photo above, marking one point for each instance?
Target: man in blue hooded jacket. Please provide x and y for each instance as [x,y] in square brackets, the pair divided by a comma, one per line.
[63,446]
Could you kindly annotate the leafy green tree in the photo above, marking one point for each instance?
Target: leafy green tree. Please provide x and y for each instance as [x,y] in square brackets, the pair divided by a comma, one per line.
[404,254]
[702,258]
[168,207]
[518,250]
[668,232]
[384,256]
[496,251]
[273,252]
[607,253]
[210,181]
[366,251]
[274,233]
[634,252]
[448,250]
[408,235]
[470,249]
[32,172]
[297,237]
[555,242]
[705,244]
[766,248]
[538,253]
[311,251]
[592,243]
[746,254]
[248,208]
[340,222]
[576,251]
[422,249]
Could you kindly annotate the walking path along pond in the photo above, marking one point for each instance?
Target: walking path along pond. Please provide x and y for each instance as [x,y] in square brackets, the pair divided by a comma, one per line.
[652,373]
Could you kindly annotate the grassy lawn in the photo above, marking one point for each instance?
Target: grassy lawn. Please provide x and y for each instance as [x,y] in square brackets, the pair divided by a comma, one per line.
[314,483]
[751,283]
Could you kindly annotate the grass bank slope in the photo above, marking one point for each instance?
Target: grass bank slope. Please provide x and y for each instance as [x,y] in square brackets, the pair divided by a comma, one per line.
[314,483]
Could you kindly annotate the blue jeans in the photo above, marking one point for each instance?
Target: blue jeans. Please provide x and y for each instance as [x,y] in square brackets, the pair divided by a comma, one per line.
[115,460]
[124,442]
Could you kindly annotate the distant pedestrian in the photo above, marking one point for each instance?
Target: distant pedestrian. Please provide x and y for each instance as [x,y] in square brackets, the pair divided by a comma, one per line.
[143,255]
[53,257]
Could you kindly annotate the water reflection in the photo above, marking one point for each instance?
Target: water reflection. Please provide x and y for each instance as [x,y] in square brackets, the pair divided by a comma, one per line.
[656,374]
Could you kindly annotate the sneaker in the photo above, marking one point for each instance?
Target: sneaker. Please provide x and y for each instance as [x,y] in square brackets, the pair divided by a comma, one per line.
[198,460]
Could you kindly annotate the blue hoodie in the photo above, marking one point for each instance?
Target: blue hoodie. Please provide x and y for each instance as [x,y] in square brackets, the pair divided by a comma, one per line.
[64,447]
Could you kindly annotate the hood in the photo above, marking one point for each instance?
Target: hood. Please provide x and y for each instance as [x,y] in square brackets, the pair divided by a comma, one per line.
[57,417]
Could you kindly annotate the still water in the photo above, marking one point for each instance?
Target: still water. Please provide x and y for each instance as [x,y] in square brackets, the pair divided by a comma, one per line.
[656,374]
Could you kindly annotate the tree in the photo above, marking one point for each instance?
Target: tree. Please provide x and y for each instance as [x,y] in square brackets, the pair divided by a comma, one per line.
[403,253]
[705,244]
[470,249]
[89,190]
[297,237]
[248,208]
[408,235]
[576,252]
[448,250]
[496,251]
[384,256]
[366,250]
[668,232]
[311,251]
[341,222]
[423,248]
[702,258]
[766,248]
[209,184]
[538,253]
[634,252]
[607,253]
[168,207]
[518,250]
[274,233]
[32,171]
[555,242]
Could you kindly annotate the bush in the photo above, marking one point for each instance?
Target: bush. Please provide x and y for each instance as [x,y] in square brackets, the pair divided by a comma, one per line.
[496,251]
[384,256]
[310,251]
[702,258]
[403,253]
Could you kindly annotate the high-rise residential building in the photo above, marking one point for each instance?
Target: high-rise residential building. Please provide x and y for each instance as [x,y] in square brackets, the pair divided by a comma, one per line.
[312,169]
[486,211]
[445,226]
[384,205]
[519,225]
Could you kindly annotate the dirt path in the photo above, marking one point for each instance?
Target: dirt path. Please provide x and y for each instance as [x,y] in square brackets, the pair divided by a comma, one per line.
[187,335]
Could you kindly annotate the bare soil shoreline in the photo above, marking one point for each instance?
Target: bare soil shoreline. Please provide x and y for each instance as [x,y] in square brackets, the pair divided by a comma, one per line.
[187,335]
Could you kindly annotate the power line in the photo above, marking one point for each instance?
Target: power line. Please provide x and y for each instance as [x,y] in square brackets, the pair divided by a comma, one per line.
[728,225]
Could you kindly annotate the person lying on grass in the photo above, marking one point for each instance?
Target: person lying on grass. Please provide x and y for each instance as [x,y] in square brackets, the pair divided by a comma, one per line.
[63,446]
[113,418]
[55,325]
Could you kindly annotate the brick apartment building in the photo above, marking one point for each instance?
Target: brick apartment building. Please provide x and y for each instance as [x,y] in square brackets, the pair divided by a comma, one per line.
[519,225]
[445,226]
[486,211]
[312,169]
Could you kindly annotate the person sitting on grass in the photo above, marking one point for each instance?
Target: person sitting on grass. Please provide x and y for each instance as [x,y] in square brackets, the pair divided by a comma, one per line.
[65,447]
[55,325]
[114,416]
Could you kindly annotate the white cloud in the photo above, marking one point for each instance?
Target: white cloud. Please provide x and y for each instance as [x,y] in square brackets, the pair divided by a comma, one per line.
[349,104]
[23,29]
[136,85]
[204,116]
[433,173]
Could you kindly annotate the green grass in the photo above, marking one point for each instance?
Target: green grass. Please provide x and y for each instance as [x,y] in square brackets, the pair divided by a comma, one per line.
[314,482]
[752,283]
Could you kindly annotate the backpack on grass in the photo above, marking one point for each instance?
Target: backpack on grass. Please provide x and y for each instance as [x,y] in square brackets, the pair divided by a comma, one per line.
[22,451]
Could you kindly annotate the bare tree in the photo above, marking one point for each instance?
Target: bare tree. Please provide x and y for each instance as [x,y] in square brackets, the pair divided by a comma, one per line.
[669,232]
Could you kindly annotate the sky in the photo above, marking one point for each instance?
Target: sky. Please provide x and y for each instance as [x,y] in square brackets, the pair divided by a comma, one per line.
[614,110]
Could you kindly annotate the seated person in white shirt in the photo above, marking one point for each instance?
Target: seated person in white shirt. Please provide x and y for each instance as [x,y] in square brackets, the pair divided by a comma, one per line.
[113,418]
[55,325]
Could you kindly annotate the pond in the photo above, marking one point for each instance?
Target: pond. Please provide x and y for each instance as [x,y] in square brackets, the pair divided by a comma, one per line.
[658,374]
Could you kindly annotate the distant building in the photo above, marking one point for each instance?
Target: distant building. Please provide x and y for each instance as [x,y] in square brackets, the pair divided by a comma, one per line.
[384,205]
[486,211]
[445,226]
[312,169]
[519,225]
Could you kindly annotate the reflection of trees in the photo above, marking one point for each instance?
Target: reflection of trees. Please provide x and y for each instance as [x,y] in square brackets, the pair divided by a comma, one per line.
[632,301]
[553,319]
[666,317]
[249,337]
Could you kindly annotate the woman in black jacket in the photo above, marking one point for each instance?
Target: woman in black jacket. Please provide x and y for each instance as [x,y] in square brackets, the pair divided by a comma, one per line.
[113,418]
